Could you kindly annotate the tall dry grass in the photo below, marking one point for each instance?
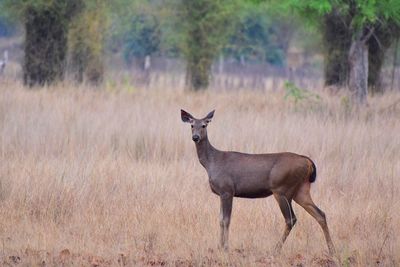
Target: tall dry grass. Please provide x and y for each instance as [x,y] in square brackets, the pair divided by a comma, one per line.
[112,178]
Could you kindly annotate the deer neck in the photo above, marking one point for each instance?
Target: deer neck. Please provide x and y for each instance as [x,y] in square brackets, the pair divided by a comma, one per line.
[205,152]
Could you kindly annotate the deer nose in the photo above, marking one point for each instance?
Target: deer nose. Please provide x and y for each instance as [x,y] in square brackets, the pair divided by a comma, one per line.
[195,138]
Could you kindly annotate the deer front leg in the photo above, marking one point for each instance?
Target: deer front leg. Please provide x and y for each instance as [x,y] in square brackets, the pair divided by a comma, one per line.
[225,218]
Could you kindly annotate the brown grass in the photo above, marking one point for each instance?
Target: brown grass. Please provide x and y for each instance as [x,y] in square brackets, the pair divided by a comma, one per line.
[92,177]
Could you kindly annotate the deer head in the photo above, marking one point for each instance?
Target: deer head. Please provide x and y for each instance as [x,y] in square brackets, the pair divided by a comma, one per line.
[199,126]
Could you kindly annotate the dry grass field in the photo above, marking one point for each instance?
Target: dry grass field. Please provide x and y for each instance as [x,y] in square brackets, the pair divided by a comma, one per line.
[93,177]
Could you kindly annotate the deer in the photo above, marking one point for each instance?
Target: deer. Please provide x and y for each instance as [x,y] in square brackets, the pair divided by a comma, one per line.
[287,176]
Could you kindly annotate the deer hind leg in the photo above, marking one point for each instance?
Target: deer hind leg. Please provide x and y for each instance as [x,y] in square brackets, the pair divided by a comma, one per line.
[303,198]
[285,204]
[225,219]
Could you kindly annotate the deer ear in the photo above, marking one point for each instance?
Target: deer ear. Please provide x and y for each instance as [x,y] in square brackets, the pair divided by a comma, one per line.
[186,117]
[209,116]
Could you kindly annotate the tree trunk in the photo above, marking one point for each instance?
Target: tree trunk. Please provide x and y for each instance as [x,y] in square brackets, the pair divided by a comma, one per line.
[78,58]
[378,45]
[358,79]
[86,45]
[95,70]
[337,42]
[221,63]
[337,37]
[85,63]
[395,50]
[206,27]
[375,62]
[198,74]
[45,47]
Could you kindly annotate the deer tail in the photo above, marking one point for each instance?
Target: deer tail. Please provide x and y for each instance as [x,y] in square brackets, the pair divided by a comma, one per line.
[313,175]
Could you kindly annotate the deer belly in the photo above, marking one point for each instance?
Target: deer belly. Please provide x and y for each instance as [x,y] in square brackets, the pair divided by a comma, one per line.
[252,187]
[246,188]
[256,193]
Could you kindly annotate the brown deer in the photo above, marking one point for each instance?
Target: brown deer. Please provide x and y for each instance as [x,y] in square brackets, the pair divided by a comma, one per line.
[286,176]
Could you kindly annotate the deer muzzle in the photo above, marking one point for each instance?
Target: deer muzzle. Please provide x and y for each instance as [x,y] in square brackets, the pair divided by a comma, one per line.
[196,138]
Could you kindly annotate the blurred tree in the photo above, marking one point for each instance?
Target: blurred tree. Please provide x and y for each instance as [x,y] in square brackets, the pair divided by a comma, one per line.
[142,29]
[257,37]
[86,41]
[46,25]
[337,38]
[142,39]
[182,29]
[336,46]
[368,18]
[363,19]
[8,27]
[206,27]
[384,36]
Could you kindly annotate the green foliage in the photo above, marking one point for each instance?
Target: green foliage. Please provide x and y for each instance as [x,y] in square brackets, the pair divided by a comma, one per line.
[145,27]
[297,94]
[362,12]
[86,41]
[61,8]
[143,37]
[240,28]
[206,25]
[256,37]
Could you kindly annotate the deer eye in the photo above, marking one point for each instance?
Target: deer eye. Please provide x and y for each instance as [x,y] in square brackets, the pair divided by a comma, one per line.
[204,126]
[191,126]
